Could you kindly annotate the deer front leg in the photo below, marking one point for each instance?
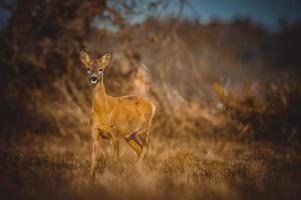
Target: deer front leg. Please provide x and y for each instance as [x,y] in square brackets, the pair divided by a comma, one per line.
[115,144]
[95,145]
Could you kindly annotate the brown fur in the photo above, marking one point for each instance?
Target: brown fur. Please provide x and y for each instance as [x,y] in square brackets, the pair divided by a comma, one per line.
[113,118]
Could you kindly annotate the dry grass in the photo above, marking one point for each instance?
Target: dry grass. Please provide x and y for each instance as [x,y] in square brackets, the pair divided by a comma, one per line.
[182,168]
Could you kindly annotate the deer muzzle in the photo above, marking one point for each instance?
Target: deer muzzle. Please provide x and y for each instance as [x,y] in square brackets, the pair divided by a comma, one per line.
[94,79]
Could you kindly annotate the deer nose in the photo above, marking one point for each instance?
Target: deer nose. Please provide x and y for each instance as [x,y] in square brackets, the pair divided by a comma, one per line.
[93,78]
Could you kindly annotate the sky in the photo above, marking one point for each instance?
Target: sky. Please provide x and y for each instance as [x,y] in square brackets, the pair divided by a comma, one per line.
[265,12]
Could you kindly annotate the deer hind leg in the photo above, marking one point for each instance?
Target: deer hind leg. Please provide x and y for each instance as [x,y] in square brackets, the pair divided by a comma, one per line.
[134,143]
[145,143]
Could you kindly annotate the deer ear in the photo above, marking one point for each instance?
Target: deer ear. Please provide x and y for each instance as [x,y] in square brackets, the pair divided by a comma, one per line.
[84,58]
[106,59]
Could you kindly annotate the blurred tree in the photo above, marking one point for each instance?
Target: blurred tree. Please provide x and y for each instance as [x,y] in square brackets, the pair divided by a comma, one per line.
[34,24]
[40,41]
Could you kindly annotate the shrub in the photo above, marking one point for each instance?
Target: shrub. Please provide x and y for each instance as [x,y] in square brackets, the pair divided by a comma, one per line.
[275,115]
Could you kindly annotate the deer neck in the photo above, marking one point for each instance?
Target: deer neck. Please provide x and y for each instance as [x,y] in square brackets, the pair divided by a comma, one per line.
[100,103]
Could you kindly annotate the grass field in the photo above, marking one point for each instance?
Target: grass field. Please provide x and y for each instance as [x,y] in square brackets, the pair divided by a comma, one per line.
[182,168]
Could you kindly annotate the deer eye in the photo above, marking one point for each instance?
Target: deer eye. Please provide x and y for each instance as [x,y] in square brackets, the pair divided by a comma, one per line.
[88,69]
[100,70]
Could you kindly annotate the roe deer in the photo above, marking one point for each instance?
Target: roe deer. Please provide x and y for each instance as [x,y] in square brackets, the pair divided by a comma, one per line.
[113,118]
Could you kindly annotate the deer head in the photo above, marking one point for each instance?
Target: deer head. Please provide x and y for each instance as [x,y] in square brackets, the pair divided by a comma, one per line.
[95,67]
